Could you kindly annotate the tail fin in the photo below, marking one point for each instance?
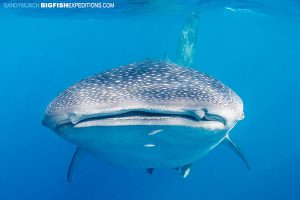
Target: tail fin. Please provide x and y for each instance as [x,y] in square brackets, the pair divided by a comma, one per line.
[187,41]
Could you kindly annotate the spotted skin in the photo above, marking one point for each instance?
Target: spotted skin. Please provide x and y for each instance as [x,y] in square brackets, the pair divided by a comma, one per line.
[147,81]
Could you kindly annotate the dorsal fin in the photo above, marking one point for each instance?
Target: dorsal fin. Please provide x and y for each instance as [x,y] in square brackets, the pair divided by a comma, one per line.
[78,155]
[228,142]
[187,40]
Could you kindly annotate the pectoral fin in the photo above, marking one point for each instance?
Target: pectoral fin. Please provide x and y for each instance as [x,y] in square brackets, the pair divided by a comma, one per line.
[228,142]
[78,155]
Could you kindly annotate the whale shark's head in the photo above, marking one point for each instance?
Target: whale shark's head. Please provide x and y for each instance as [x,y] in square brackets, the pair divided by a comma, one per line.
[147,93]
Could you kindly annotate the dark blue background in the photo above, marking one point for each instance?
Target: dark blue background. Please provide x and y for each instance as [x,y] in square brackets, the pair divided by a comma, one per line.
[256,55]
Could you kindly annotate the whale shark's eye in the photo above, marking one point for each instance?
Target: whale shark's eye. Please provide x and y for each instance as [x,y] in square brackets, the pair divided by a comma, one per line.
[242,116]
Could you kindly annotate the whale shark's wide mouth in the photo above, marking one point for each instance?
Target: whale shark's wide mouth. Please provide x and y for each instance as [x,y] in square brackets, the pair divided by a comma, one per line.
[136,114]
[137,117]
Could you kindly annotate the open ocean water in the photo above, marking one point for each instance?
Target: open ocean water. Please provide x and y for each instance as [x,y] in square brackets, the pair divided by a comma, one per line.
[251,46]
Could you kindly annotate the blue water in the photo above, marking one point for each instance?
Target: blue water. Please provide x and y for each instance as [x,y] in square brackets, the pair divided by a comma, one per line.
[255,51]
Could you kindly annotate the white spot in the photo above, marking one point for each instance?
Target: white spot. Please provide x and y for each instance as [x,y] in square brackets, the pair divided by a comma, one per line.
[154,132]
[231,9]
[149,145]
[186,172]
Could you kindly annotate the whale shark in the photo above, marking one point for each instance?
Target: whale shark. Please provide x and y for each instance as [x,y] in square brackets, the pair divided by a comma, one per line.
[146,115]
